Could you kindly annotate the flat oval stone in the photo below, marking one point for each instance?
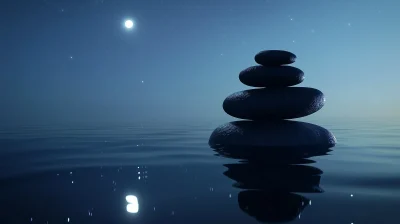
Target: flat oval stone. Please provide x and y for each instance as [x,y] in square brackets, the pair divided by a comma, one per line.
[274,104]
[271,76]
[271,135]
[275,58]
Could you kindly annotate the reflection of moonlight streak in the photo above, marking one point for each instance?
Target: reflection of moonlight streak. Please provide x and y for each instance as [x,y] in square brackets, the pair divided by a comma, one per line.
[133,204]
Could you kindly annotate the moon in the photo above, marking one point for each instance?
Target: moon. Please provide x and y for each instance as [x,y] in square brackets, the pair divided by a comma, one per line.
[129,24]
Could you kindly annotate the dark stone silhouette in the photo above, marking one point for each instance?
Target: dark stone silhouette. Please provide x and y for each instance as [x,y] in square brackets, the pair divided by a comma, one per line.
[272,206]
[272,135]
[274,58]
[275,177]
[271,182]
[271,76]
[268,107]
[271,156]
[270,149]
[274,103]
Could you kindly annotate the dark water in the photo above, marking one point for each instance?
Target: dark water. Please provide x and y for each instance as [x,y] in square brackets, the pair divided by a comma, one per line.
[83,174]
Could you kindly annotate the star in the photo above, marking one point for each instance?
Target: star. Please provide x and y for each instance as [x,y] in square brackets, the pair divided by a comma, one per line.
[142,81]
[348,24]
[70,57]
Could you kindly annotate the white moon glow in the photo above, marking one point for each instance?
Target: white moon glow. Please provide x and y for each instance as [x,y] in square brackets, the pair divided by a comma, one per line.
[129,24]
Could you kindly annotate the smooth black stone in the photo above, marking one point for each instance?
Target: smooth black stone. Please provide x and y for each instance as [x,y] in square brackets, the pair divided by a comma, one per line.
[271,76]
[270,207]
[274,103]
[275,57]
[272,135]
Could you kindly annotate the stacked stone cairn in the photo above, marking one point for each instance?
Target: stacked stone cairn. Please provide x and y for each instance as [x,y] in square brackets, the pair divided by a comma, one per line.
[269,146]
[268,107]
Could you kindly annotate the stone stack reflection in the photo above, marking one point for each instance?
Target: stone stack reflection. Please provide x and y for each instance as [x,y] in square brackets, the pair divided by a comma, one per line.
[271,148]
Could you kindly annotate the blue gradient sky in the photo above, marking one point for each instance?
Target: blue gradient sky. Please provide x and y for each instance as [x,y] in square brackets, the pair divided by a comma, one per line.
[188,55]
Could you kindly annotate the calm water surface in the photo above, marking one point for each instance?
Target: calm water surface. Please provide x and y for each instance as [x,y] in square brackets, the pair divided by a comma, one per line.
[83,174]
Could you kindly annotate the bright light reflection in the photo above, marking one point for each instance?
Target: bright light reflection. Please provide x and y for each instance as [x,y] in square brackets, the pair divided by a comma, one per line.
[131,199]
[133,204]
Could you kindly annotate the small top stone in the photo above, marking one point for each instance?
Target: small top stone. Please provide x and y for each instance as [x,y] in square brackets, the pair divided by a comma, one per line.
[275,58]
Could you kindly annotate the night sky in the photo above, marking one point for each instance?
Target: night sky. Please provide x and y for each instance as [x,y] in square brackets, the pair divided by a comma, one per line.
[74,61]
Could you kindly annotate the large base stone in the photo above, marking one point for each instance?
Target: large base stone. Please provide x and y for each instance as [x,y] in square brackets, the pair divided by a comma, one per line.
[272,135]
